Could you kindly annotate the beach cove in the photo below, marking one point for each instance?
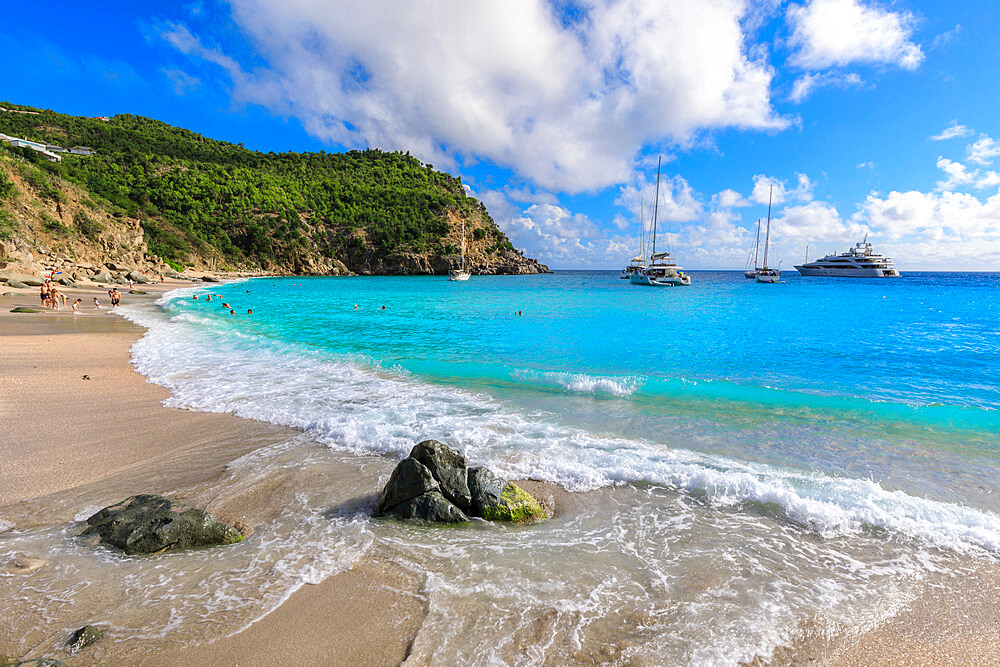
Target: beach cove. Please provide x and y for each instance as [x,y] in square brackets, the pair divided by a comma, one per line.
[646,570]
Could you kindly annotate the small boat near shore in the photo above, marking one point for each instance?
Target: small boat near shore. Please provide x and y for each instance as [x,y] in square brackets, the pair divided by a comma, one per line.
[749,273]
[861,261]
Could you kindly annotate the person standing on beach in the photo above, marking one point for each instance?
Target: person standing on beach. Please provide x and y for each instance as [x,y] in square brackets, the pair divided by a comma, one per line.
[45,294]
[116,297]
[97,304]
[76,304]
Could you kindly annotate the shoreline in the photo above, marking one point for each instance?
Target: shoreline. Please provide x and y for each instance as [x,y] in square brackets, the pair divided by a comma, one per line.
[114,426]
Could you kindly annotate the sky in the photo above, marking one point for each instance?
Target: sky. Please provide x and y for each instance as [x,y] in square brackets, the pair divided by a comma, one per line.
[857,117]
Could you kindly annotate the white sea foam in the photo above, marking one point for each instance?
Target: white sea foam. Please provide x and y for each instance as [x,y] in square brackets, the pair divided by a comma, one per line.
[581,383]
[354,408]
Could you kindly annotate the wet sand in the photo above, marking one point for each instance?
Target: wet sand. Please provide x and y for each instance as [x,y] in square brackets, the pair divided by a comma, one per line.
[62,431]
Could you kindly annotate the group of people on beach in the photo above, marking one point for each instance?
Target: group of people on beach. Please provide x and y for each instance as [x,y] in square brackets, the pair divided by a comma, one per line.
[53,299]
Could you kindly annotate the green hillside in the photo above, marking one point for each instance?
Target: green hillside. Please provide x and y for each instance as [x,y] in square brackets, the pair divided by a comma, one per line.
[369,211]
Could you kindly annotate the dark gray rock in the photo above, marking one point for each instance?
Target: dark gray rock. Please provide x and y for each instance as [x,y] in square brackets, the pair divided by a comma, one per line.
[449,469]
[66,281]
[147,524]
[139,278]
[431,507]
[486,488]
[410,479]
[209,279]
[34,662]
[10,293]
[16,284]
[30,282]
[84,637]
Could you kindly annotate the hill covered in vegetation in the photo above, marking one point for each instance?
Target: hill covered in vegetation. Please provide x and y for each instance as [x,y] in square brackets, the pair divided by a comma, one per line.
[152,193]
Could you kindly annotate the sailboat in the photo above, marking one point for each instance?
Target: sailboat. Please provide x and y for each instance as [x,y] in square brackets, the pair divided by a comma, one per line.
[766,274]
[662,270]
[750,274]
[460,274]
[637,265]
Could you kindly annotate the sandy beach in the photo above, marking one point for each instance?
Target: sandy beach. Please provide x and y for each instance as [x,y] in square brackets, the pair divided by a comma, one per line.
[77,415]
[113,425]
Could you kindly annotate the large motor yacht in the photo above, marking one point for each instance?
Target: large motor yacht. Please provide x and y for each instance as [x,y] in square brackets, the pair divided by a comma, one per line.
[858,262]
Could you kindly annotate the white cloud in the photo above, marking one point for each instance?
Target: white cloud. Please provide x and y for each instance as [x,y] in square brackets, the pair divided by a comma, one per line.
[730,199]
[953,130]
[866,165]
[836,33]
[762,190]
[807,84]
[568,107]
[983,150]
[958,175]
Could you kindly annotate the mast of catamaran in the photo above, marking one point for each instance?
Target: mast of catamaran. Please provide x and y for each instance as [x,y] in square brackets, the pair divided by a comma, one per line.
[642,231]
[756,248]
[463,245]
[656,205]
[767,238]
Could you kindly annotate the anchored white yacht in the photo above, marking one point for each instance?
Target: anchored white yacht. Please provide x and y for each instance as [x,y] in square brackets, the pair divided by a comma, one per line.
[460,275]
[634,267]
[858,262]
[662,270]
[768,274]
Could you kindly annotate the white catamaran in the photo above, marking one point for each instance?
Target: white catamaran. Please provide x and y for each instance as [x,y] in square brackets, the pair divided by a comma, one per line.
[766,274]
[662,270]
[460,274]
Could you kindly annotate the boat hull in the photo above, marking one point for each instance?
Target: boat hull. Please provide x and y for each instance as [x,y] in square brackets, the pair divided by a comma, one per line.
[459,276]
[750,274]
[769,277]
[675,281]
[848,272]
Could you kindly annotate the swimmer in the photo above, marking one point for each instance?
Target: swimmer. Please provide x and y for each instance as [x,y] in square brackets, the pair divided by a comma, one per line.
[519,314]
[249,311]
[383,307]
[225,305]
[232,312]
[208,298]
[195,297]
[355,306]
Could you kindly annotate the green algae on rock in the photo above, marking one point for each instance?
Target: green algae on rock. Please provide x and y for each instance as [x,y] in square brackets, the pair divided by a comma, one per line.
[515,506]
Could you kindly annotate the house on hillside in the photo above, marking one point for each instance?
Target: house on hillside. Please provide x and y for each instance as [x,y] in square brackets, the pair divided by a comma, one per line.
[33,145]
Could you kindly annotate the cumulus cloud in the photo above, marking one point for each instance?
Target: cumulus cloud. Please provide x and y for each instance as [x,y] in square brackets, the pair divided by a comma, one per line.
[566,106]
[182,81]
[837,33]
[953,130]
[983,150]
[766,188]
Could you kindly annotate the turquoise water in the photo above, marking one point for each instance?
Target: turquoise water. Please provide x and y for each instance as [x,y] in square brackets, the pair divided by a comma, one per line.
[894,381]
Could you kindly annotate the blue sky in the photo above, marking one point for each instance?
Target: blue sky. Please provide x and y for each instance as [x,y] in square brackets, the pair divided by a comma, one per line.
[867,117]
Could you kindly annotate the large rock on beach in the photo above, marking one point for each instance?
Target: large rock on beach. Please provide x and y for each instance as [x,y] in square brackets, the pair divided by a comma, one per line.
[146,524]
[137,277]
[434,485]
[24,309]
[16,284]
[209,279]
[449,469]
[102,278]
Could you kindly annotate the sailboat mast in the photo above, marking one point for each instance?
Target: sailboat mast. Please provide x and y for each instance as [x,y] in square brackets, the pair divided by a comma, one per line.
[756,248]
[656,205]
[463,245]
[767,237]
